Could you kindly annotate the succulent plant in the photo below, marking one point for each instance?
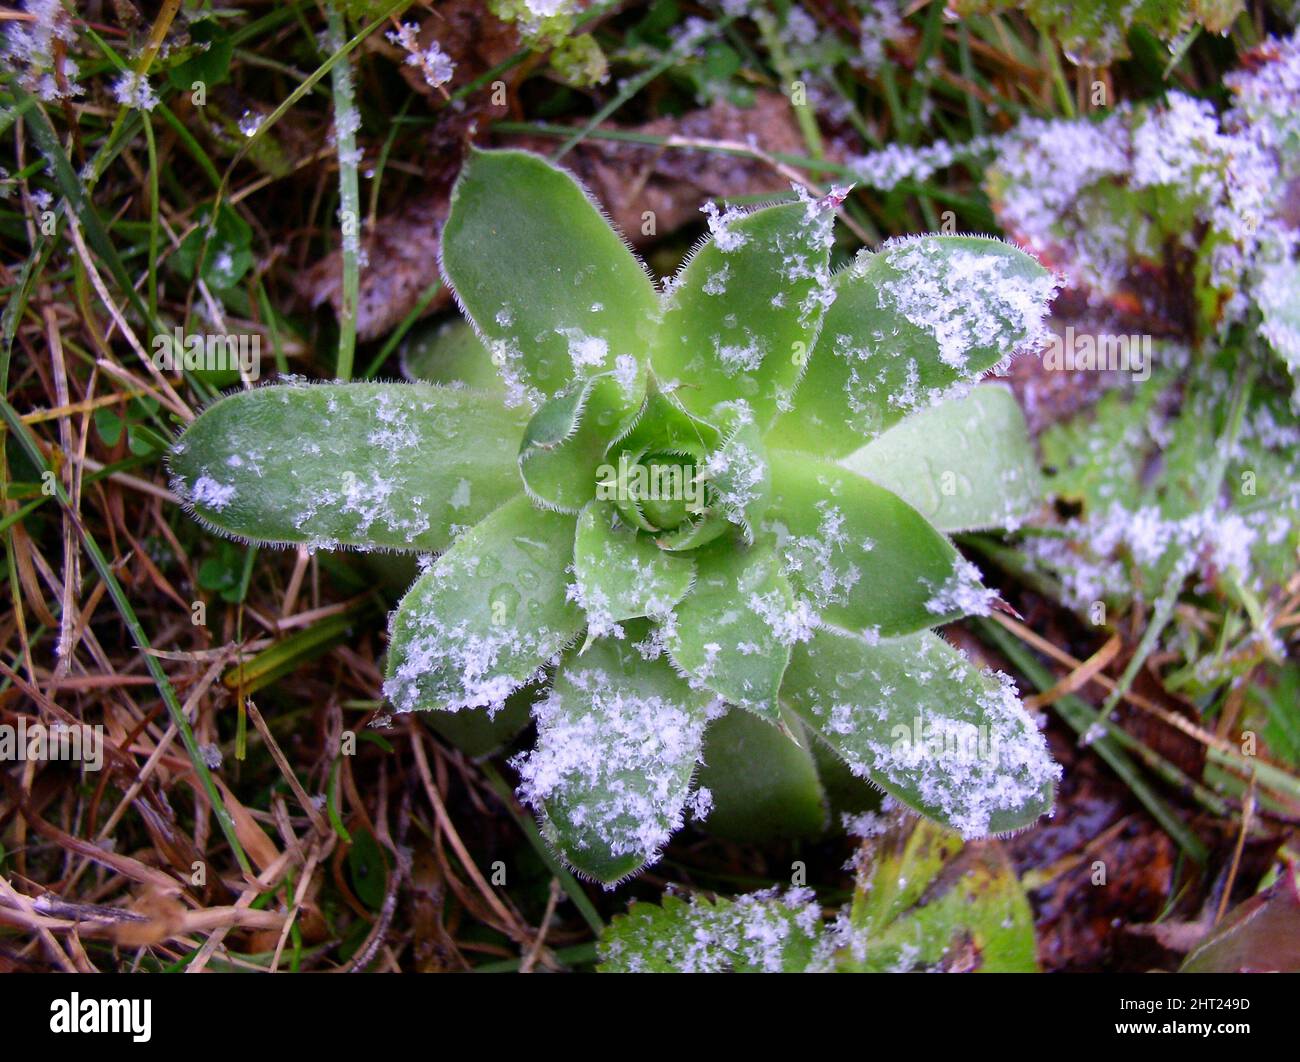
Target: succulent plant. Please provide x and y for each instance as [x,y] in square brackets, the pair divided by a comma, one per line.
[674,503]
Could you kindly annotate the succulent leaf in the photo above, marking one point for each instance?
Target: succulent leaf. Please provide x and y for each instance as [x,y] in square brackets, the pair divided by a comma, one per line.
[915,717]
[737,471]
[451,353]
[862,557]
[763,779]
[927,896]
[618,739]
[565,443]
[487,616]
[759,933]
[742,316]
[553,290]
[734,632]
[664,424]
[348,464]
[620,573]
[924,901]
[964,465]
[911,325]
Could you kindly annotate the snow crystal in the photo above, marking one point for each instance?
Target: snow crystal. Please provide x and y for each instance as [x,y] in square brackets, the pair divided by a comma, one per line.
[435,65]
[895,163]
[29,49]
[963,592]
[789,623]
[881,23]
[626,372]
[211,494]
[585,351]
[966,300]
[968,757]
[460,497]
[820,561]
[725,237]
[736,358]
[133,90]
[717,282]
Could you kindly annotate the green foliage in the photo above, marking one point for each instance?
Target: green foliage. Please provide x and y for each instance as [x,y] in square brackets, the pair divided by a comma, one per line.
[219,251]
[208,60]
[922,902]
[1135,468]
[336,464]
[576,57]
[763,778]
[1095,32]
[625,480]
[963,465]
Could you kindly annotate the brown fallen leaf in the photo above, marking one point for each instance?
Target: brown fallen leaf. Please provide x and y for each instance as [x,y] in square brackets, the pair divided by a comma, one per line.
[1261,935]
[261,849]
[630,178]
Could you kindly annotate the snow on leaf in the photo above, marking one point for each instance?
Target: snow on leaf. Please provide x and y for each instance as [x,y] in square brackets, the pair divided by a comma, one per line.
[862,557]
[737,471]
[762,932]
[733,633]
[621,574]
[743,312]
[915,717]
[565,443]
[912,325]
[487,616]
[618,740]
[378,466]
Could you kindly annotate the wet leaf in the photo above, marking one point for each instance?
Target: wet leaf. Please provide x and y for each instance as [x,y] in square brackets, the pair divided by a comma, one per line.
[618,739]
[549,285]
[348,464]
[734,631]
[489,614]
[915,717]
[963,465]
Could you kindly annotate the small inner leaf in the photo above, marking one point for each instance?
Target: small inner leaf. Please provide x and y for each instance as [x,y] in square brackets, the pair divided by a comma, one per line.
[734,632]
[565,443]
[621,574]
